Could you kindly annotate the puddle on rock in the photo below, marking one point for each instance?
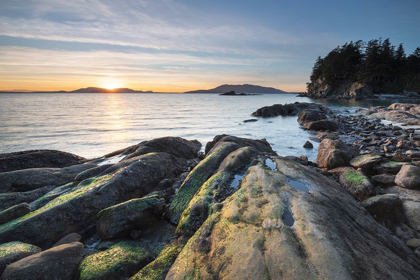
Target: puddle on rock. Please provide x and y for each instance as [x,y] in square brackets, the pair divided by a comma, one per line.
[287,218]
[237,180]
[298,185]
[111,160]
[270,164]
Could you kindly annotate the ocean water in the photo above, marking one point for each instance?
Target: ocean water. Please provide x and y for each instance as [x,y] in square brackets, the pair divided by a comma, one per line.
[92,125]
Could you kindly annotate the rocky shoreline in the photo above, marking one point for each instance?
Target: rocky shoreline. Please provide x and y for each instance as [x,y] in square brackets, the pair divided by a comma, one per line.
[163,210]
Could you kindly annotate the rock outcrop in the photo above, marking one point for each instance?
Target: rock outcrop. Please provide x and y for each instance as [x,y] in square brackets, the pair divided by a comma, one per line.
[13,251]
[345,90]
[292,109]
[292,223]
[59,262]
[239,212]
[401,113]
[38,159]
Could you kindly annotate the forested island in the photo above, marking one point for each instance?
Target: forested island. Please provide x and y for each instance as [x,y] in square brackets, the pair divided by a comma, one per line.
[360,69]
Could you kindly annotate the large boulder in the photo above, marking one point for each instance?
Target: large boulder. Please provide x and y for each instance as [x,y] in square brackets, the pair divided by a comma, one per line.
[317,120]
[120,219]
[408,177]
[216,152]
[31,179]
[384,205]
[175,146]
[38,159]
[13,251]
[292,223]
[405,114]
[292,109]
[322,125]
[334,153]
[56,263]
[410,200]
[76,209]
[121,261]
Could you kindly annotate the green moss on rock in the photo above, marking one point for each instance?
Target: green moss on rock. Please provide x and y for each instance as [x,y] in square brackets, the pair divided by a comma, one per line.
[186,193]
[137,204]
[118,262]
[355,178]
[16,247]
[83,187]
[158,269]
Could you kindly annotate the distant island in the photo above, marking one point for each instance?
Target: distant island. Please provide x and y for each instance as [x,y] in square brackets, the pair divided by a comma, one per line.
[239,88]
[246,88]
[87,90]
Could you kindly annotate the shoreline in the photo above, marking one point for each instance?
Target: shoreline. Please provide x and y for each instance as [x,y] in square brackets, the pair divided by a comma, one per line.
[151,208]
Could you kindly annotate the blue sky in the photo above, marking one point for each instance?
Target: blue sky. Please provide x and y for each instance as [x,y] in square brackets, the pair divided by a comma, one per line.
[168,45]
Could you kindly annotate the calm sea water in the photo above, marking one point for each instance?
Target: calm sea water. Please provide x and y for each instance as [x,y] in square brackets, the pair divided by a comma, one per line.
[92,125]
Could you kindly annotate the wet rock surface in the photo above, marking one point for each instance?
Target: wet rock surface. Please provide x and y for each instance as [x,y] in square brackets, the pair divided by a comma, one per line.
[38,159]
[13,251]
[160,210]
[59,262]
[402,113]
[334,153]
[292,109]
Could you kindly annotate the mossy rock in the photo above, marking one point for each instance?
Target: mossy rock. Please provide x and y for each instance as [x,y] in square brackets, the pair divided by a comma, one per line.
[203,171]
[158,269]
[413,243]
[120,261]
[383,205]
[200,205]
[355,178]
[366,162]
[14,212]
[43,200]
[13,251]
[120,219]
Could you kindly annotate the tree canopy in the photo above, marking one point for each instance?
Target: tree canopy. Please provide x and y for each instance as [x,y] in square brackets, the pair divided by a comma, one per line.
[377,63]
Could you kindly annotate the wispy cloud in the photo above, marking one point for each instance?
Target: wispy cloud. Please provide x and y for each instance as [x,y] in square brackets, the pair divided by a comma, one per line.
[157,43]
[159,24]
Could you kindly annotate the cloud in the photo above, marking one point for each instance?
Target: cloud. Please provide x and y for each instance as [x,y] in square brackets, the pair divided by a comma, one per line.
[158,24]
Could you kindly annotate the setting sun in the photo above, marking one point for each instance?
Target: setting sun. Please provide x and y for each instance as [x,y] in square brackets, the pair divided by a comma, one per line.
[111,84]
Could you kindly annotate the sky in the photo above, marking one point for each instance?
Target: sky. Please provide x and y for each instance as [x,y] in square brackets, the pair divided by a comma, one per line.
[176,46]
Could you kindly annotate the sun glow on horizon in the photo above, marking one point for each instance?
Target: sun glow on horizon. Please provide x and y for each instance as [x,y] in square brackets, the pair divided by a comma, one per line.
[111,83]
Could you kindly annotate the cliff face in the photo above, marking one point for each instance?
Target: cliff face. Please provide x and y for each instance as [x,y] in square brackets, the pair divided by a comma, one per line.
[344,90]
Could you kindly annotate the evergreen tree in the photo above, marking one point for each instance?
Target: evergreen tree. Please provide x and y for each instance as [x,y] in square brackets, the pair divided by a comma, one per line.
[376,63]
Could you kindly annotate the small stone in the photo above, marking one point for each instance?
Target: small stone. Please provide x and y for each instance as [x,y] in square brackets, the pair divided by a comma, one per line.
[413,243]
[250,120]
[384,179]
[308,145]
[70,238]
[408,177]
[382,205]
[400,157]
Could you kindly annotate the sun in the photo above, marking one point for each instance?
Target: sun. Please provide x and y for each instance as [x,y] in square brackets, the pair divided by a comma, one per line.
[111,83]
